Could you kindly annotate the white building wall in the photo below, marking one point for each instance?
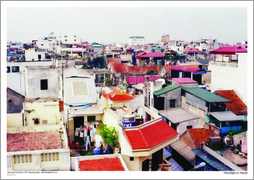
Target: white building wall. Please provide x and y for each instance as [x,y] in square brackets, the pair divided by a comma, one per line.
[16,80]
[231,78]
[33,77]
[136,40]
[30,55]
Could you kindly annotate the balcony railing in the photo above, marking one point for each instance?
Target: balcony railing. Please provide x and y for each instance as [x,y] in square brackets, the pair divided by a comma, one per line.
[225,64]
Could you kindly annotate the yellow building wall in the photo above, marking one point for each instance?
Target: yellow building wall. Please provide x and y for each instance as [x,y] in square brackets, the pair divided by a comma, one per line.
[44,111]
[14,119]
[132,165]
[70,125]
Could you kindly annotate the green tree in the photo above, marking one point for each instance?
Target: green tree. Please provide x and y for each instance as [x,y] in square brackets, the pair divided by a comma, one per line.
[109,135]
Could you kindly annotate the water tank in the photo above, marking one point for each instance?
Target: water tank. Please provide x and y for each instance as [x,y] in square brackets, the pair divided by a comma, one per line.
[128,120]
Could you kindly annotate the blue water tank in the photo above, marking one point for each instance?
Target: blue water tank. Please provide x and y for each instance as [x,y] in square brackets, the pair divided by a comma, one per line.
[128,120]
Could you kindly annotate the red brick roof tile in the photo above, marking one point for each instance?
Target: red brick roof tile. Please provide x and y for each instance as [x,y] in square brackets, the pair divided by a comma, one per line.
[200,135]
[104,164]
[151,68]
[150,135]
[33,141]
[168,68]
[237,106]
[120,67]
[135,69]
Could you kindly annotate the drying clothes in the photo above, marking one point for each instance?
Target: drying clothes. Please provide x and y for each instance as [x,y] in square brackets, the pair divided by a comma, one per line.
[88,145]
[244,145]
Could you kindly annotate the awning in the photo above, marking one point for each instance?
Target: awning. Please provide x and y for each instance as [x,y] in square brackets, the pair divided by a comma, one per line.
[226,116]
[200,72]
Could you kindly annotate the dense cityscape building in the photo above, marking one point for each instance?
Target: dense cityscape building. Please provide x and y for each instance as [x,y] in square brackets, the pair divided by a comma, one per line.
[170,105]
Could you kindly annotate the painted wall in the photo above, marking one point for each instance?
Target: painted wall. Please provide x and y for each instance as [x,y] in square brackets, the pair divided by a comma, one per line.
[33,78]
[174,94]
[14,119]
[182,127]
[44,111]
[231,78]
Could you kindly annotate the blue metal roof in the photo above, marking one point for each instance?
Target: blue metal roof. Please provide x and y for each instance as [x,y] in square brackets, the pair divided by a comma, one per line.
[211,160]
[175,166]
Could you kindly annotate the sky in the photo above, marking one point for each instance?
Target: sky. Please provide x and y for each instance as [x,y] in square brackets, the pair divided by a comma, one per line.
[115,22]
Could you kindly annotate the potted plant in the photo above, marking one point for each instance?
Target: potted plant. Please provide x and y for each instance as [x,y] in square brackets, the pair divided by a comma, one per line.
[109,136]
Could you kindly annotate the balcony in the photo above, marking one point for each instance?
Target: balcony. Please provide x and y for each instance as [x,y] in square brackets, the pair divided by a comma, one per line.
[225,64]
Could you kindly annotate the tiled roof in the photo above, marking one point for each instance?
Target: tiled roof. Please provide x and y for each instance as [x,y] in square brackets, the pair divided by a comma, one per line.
[237,106]
[104,164]
[165,90]
[168,68]
[112,60]
[33,141]
[151,68]
[120,67]
[200,135]
[135,69]
[204,95]
[150,135]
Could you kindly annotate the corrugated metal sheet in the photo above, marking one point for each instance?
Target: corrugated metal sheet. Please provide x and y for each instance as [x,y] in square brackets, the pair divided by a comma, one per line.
[165,90]
[226,116]
[175,165]
[178,115]
[204,95]
[184,150]
[213,162]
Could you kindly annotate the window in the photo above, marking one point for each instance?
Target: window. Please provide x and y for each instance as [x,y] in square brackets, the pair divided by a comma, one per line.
[172,103]
[44,84]
[131,158]
[39,56]
[65,36]
[8,69]
[65,39]
[15,69]
[90,118]
[80,88]
[189,127]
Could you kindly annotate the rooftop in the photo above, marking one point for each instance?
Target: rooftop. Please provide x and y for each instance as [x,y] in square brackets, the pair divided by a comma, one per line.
[200,135]
[184,68]
[229,50]
[103,164]
[226,116]
[150,135]
[184,80]
[120,68]
[204,95]
[33,141]
[165,90]
[178,115]
[237,106]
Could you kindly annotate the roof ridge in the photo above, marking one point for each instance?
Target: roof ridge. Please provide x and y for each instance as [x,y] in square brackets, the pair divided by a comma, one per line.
[143,137]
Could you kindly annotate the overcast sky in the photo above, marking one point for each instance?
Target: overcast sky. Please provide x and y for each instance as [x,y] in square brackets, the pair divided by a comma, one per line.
[116,24]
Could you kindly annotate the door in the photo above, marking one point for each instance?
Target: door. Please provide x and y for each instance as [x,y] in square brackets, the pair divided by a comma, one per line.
[78,121]
[157,159]
[145,165]
[159,103]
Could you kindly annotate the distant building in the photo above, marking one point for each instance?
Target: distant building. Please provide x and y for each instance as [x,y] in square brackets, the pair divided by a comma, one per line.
[165,38]
[136,40]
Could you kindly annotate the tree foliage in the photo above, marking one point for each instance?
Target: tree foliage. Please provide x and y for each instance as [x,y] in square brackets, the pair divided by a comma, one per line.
[109,135]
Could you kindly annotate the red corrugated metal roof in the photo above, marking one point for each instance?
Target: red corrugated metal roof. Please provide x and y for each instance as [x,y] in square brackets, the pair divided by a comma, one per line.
[200,135]
[237,106]
[120,67]
[33,141]
[150,135]
[192,50]
[104,164]
[150,54]
[229,50]
[182,68]
[168,68]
